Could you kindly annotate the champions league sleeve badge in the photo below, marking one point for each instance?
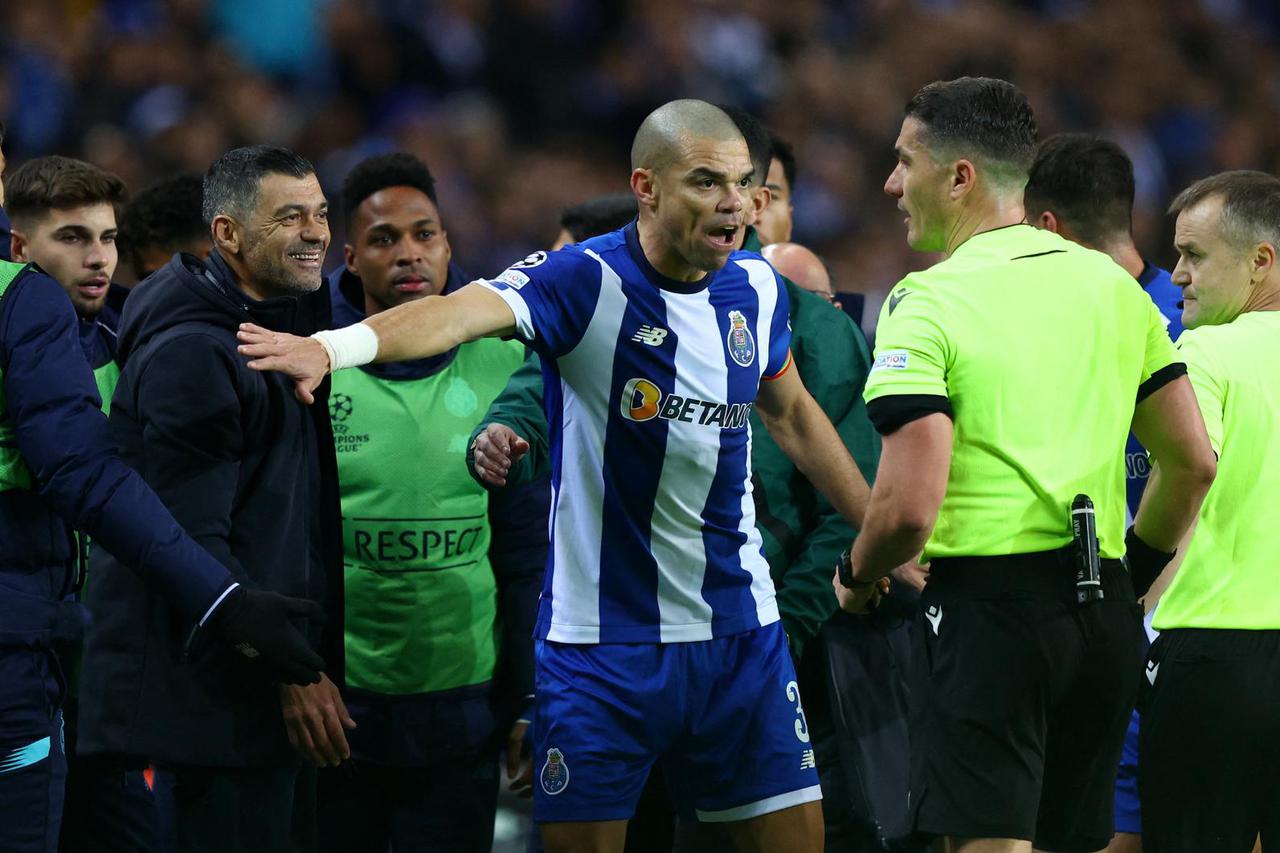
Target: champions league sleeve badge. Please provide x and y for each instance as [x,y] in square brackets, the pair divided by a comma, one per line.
[742,346]
[555,773]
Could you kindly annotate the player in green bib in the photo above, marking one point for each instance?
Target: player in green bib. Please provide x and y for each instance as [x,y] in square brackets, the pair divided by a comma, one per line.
[439,603]
[1210,771]
[1004,382]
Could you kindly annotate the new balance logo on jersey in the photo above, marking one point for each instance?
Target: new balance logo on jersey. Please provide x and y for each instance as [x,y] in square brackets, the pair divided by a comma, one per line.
[650,336]
[807,760]
[642,400]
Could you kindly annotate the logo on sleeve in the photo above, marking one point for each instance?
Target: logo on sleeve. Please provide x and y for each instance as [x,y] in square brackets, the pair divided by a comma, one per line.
[512,278]
[741,343]
[896,297]
[536,259]
[555,773]
[893,359]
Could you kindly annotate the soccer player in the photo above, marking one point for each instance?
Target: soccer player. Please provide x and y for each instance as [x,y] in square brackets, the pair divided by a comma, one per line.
[658,629]
[1081,187]
[439,601]
[1210,769]
[160,221]
[997,409]
[64,221]
[774,223]
[64,214]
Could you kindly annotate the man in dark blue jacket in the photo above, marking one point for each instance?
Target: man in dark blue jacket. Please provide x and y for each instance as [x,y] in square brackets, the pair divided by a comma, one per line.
[249,472]
[57,472]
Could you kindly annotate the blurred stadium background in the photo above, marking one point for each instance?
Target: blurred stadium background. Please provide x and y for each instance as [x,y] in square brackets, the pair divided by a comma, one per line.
[524,106]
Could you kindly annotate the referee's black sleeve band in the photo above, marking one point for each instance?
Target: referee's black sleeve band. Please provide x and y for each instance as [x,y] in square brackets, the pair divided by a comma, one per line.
[1161,378]
[887,414]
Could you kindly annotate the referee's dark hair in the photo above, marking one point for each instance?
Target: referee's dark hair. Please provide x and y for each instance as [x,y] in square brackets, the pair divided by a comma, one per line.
[786,155]
[1250,205]
[231,185]
[982,119]
[397,169]
[599,215]
[1087,183]
[759,141]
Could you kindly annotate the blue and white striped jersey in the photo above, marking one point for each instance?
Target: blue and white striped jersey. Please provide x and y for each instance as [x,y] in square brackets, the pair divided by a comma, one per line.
[649,386]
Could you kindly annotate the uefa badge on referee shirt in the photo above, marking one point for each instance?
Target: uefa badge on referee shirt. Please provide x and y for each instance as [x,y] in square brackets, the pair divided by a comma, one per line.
[555,773]
[741,343]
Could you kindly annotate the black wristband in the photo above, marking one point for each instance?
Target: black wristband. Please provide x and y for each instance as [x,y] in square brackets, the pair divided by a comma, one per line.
[844,570]
[1145,563]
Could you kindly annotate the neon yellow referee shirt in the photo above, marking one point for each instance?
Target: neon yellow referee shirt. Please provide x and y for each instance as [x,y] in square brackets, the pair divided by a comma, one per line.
[1228,578]
[1038,349]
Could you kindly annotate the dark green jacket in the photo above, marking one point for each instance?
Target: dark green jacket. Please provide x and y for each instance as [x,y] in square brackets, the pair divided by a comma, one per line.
[803,534]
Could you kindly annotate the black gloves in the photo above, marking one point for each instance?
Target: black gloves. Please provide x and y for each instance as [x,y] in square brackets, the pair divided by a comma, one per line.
[256,623]
[1145,563]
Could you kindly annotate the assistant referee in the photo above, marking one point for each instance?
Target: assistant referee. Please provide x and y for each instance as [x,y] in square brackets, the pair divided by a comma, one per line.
[1005,381]
[1210,770]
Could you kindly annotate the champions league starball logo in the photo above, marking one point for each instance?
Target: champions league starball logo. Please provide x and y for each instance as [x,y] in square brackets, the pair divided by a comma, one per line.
[555,773]
[339,408]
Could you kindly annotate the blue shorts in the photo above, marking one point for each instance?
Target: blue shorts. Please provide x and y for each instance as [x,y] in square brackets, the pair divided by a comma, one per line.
[1128,812]
[724,714]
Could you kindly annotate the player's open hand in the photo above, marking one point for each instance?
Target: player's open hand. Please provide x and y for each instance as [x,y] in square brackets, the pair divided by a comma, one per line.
[315,717]
[304,360]
[496,449]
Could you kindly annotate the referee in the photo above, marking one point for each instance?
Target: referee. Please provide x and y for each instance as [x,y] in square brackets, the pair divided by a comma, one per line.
[1005,381]
[1210,770]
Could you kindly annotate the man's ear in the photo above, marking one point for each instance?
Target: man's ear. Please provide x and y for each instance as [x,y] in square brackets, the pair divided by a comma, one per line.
[1261,262]
[1048,221]
[644,183]
[762,199]
[18,246]
[226,234]
[964,176]
[349,259]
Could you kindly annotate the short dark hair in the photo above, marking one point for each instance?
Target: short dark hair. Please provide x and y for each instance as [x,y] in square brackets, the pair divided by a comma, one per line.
[166,215]
[232,183]
[57,183]
[982,119]
[786,155]
[375,174]
[756,135]
[1250,205]
[1087,182]
[599,215]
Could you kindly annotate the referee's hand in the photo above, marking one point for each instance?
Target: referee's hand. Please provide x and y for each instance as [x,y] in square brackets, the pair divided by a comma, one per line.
[496,449]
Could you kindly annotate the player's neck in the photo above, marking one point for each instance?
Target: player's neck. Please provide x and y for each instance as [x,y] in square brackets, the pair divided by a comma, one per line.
[662,256]
[980,214]
[1124,253]
[1265,296]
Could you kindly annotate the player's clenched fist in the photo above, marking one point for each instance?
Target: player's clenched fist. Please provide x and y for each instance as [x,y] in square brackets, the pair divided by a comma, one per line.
[494,451]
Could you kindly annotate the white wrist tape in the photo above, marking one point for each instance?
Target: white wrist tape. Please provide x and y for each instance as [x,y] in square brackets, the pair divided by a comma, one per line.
[353,346]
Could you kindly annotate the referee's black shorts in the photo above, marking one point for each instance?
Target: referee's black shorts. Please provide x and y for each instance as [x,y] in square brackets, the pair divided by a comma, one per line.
[1020,700]
[1209,766]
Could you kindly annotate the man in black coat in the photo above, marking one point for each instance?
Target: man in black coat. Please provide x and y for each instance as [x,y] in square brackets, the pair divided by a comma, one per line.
[249,472]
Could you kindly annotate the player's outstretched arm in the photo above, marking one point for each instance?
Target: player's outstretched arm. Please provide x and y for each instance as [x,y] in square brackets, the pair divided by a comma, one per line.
[799,426]
[414,330]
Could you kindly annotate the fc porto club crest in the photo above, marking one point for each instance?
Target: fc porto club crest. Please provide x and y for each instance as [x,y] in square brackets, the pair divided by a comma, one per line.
[555,773]
[741,343]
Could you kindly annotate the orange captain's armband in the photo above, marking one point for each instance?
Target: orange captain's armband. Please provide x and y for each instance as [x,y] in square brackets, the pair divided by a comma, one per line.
[785,367]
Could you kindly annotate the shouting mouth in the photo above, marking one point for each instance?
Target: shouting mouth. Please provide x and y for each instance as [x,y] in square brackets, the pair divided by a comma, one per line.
[722,237]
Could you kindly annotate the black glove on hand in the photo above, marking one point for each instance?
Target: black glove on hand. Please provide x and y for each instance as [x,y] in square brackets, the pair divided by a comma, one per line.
[257,624]
[1145,563]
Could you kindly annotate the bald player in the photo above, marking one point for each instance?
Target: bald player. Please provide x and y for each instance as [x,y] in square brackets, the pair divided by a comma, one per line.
[803,266]
[658,633]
